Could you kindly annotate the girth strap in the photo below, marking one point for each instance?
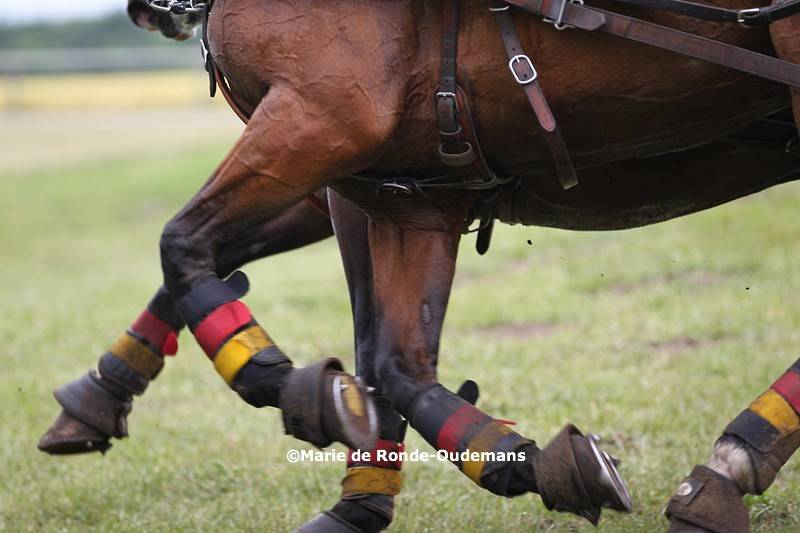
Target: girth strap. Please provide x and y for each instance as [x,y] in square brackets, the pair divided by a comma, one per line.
[525,74]
[566,13]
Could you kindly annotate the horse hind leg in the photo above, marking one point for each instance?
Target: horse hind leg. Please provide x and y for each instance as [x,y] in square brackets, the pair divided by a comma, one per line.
[95,407]
[413,260]
[746,460]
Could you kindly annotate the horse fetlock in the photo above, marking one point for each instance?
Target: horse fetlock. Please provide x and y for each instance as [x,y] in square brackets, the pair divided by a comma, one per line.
[322,404]
[707,501]
[574,475]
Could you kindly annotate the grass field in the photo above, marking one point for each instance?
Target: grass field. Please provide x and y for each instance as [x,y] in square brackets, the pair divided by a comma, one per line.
[654,338]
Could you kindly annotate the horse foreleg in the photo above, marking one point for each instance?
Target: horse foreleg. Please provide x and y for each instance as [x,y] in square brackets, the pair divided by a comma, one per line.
[746,459]
[413,259]
[95,407]
[373,477]
[292,145]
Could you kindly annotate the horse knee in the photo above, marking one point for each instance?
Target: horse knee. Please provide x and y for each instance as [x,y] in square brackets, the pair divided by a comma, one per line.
[184,256]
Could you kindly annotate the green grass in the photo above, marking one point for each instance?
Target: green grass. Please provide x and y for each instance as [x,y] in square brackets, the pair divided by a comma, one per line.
[654,338]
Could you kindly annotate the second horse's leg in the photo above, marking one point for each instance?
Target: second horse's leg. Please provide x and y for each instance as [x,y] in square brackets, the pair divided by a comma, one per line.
[95,407]
[746,459]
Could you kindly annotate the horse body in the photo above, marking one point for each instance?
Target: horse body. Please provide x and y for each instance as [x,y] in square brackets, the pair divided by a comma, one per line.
[615,100]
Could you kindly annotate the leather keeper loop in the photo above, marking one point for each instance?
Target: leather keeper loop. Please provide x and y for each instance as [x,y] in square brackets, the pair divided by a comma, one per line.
[220,325]
[467,157]
[371,480]
[235,353]
[137,356]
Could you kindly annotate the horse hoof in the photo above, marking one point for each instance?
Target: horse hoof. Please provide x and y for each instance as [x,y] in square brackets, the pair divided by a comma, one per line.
[707,502]
[321,404]
[68,436]
[574,475]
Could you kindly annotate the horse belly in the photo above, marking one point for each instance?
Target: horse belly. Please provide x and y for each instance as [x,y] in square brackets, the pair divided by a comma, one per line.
[637,192]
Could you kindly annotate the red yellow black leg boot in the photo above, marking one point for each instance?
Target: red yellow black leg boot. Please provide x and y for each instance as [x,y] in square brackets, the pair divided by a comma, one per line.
[95,407]
[746,460]
[571,474]
[320,403]
[372,481]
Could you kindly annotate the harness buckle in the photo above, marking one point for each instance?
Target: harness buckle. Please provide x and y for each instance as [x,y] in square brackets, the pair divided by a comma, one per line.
[522,78]
[745,16]
[558,22]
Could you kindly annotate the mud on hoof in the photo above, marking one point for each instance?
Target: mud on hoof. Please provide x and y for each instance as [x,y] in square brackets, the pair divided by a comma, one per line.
[322,404]
[94,410]
[707,501]
[574,475]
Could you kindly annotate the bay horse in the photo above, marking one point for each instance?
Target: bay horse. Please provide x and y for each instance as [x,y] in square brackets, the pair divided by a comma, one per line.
[338,95]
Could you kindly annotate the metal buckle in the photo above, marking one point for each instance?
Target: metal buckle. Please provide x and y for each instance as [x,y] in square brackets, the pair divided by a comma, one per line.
[742,16]
[451,96]
[558,22]
[526,59]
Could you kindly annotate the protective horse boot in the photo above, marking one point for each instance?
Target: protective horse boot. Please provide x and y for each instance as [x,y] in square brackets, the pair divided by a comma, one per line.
[746,460]
[370,484]
[96,406]
[571,474]
[320,403]
[574,475]
[707,501]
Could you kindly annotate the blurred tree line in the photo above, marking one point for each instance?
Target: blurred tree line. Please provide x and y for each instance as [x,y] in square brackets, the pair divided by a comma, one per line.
[114,30]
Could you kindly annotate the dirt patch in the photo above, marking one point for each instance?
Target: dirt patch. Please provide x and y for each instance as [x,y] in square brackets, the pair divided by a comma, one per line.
[524,330]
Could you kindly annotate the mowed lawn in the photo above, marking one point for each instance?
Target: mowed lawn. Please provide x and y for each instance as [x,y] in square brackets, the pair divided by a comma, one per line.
[654,338]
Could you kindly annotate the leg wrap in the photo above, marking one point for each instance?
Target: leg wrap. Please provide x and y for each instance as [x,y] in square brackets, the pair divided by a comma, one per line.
[320,403]
[95,407]
[372,480]
[709,501]
[448,422]
[769,430]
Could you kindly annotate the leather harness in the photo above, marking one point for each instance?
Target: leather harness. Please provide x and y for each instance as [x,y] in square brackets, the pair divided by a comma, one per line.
[459,146]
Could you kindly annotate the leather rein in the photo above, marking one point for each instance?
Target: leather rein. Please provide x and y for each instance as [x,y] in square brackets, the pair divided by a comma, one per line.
[459,147]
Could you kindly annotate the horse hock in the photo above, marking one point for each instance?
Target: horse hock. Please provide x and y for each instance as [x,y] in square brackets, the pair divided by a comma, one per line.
[571,474]
[746,460]
[320,403]
[96,406]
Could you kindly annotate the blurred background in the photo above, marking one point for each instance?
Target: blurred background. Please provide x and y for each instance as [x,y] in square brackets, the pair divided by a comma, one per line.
[654,338]
[78,81]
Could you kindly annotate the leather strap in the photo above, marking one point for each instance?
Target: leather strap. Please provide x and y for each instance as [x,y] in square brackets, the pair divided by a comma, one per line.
[525,74]
[756,16]
[454,149]
[563,12]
